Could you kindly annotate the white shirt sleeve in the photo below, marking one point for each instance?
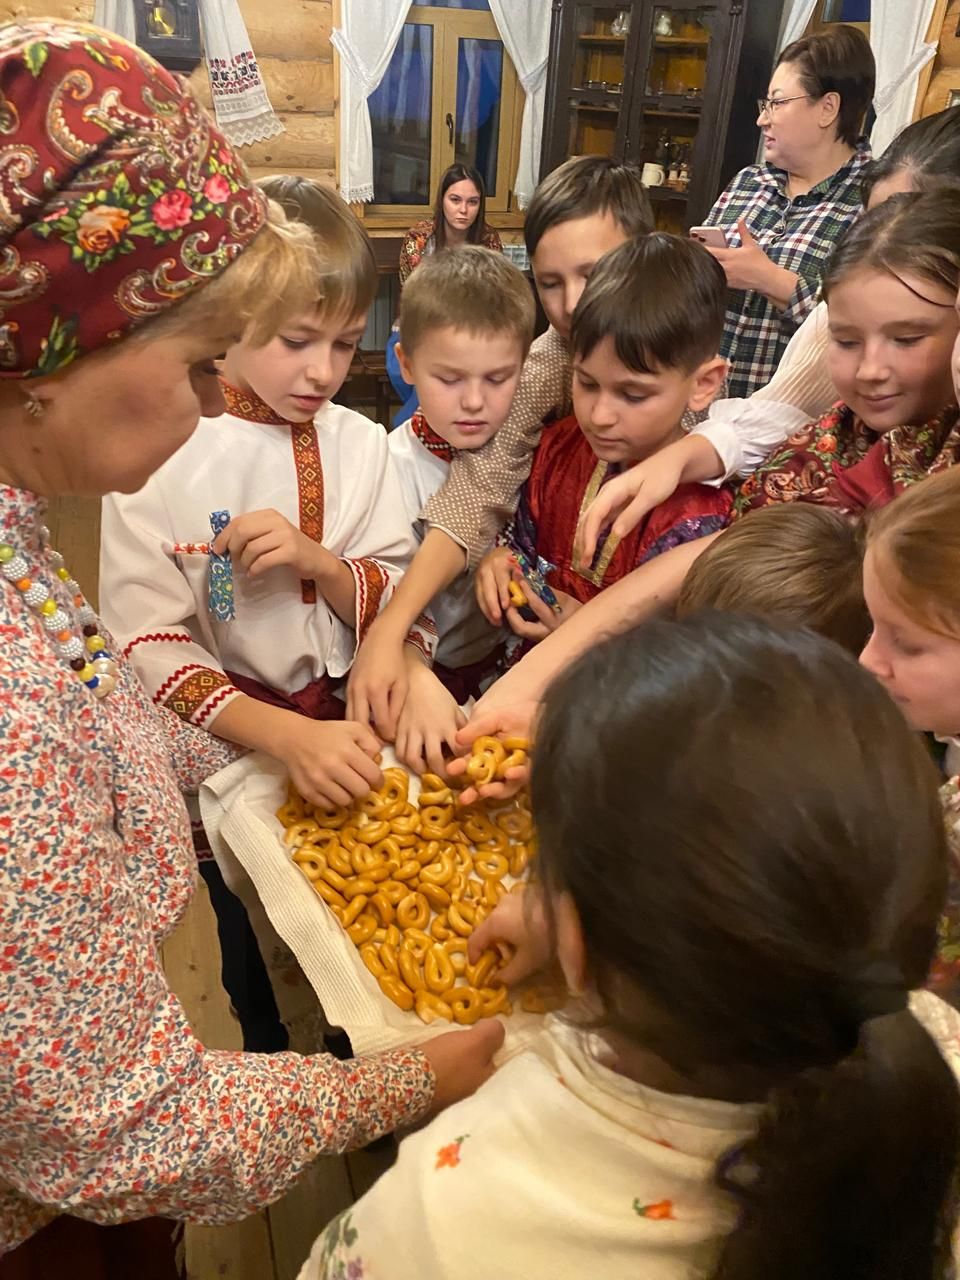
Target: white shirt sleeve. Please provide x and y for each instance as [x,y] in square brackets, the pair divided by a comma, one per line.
[744,432]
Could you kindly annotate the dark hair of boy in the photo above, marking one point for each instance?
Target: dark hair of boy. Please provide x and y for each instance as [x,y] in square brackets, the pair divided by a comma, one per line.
[838,60]
[348,268]
[773,862]
[793,563]
[928,151]
[660,298]
[584,186]
[473,289]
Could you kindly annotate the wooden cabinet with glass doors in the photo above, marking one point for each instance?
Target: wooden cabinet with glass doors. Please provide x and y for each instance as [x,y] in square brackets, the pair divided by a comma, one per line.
[672,87]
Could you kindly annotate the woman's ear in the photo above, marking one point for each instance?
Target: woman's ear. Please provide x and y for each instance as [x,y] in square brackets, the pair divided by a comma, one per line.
[829,109]
[707,383]
[571,950]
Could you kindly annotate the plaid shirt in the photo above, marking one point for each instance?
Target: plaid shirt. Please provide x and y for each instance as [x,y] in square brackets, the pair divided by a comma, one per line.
[798,234]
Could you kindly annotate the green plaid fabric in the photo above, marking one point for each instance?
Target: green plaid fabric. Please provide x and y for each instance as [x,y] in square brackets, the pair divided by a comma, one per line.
[798,234]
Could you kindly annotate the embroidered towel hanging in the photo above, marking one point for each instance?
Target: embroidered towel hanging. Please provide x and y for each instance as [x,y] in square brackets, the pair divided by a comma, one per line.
[240,101]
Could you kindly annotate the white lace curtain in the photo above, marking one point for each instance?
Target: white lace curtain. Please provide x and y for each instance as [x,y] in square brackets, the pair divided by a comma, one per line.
[365,42]
[524,27]
[796,18]
[240,102]
[898,36]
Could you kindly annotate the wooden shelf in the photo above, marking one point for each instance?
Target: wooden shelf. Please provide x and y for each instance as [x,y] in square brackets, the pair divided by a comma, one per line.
[681,42]
[619,41]
[671,115]
[597,107]
[660,195]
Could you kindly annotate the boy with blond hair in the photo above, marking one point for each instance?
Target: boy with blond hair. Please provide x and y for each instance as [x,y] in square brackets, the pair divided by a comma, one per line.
[586,207]
[466,324]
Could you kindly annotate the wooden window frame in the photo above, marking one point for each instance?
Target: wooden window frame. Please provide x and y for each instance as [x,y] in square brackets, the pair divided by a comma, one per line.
[819,23]
[449,26]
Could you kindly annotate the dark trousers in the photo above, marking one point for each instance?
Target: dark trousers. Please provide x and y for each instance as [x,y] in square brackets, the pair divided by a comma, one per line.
[243,972]
[70,1247]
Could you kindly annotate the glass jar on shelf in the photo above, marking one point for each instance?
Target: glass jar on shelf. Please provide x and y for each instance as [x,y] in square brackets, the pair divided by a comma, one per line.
[678,51]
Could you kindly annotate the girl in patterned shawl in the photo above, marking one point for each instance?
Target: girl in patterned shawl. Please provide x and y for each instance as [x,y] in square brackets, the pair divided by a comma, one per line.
[891,291]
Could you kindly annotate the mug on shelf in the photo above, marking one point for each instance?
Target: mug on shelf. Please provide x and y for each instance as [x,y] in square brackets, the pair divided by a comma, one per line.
[652,175]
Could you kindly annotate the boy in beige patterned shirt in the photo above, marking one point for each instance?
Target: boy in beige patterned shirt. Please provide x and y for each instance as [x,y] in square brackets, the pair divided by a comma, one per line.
[586,207]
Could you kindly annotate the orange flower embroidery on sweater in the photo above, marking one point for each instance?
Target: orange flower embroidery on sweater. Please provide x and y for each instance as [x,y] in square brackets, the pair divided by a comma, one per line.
[448,1157]
[660,1211]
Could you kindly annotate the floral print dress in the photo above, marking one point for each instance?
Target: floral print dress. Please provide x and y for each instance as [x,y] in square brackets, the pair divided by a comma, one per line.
[109,1106]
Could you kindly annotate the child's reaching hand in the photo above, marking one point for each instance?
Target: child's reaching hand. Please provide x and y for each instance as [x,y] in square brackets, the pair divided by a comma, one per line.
[520,920]
[331,762]
[378,680]
[429,720]
[627,498]
[492,584]
[511,720]
[547,619]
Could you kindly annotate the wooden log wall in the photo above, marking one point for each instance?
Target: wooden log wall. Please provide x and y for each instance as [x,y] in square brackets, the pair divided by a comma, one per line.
[291,39]
[942,76]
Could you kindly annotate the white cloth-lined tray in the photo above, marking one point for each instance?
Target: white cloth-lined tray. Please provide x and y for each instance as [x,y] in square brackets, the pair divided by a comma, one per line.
[239,806]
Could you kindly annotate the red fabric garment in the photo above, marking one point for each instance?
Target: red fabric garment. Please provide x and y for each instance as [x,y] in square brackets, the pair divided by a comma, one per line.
[432,442]
[840,462]
[315,700]
[120,196]
[563,481]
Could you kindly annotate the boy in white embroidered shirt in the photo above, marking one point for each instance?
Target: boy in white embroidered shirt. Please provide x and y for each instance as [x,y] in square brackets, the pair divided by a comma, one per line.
[466,324]
[318,535]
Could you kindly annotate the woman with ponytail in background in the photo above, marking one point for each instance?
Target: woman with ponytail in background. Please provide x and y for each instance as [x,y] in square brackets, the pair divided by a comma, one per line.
[743,902]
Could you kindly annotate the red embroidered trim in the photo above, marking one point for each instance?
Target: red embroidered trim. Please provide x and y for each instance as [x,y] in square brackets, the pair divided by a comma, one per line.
[249,406]
[425,623]
[177,638]
[371,584]
[221,697]
[309,467]
[192,693]
[418,642]
[172,681]
[435,444]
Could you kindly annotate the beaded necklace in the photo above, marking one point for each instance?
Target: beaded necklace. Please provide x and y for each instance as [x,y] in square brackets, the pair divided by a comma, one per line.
[87,656]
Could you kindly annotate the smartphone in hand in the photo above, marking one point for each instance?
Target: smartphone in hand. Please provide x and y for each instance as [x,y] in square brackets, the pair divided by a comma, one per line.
[711,236]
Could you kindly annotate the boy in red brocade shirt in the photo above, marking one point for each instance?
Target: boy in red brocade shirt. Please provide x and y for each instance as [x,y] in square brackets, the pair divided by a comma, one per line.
[645,337]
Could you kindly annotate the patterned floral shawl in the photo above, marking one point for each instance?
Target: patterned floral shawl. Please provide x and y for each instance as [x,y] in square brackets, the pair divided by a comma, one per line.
[841,462]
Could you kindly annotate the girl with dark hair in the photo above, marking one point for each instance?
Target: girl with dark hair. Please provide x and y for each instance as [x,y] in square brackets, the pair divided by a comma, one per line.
[745,1087]
[459,217]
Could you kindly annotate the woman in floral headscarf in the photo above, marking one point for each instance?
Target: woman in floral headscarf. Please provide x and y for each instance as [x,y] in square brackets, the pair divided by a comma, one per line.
[133,248]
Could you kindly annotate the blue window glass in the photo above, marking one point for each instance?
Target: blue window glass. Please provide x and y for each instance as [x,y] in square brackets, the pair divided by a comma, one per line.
[400,120]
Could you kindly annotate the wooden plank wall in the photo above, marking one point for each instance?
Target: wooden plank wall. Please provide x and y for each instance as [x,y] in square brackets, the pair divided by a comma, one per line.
[291,39]
[943,74]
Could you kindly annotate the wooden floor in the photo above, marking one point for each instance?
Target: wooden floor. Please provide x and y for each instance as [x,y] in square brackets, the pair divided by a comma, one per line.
[271,1245]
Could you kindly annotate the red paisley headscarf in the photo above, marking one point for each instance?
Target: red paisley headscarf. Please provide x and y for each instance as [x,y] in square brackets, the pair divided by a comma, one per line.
[118,196]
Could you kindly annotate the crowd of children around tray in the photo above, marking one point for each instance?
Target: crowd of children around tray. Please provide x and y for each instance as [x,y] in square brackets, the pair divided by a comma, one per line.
[731,628]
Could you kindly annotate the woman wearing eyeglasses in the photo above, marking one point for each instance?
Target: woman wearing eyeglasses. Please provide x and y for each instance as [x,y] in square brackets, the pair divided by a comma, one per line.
[782,218]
